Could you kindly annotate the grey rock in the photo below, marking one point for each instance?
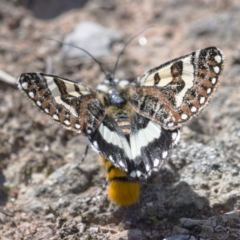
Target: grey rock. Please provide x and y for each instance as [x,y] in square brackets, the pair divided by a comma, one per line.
[188,223]
[180,237]
[70,178]
[180,230]
[59,189]
[220,227]
[93,38]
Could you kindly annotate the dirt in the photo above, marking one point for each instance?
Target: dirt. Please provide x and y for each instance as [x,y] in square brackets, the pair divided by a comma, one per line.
[46,194]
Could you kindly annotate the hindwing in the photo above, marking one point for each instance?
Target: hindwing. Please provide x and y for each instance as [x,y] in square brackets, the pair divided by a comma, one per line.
[148,148]
[151,145]
[110,142]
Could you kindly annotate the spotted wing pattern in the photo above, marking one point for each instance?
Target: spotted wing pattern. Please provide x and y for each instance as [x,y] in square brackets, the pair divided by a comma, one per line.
[110,142]
[70,104]
[175,92]
[151,145]
[148,148]
[133,126]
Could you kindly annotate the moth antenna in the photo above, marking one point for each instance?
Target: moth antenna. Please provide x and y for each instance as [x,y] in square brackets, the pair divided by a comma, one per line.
[121,52]
[82,49]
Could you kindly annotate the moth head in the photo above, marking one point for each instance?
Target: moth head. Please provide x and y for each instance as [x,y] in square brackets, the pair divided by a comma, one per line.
[116,97]
[110,79]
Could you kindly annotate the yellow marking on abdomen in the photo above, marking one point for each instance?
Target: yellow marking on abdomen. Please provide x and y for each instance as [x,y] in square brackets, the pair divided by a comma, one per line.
[125,127]
[121,191]
[123,123]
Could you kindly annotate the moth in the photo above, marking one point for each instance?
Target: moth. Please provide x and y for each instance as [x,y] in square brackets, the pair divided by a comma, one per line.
[134,125]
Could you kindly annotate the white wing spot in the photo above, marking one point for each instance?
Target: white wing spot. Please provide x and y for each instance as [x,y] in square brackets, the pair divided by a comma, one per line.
[111,158]
[156,162]
[170,124]
[184,116]
[202,100]
[193,109]
[67,122]
[121,164]
[216,69]
[147,167]
[89,131]
[24,85]
[218,58]
[174,136]
[31,94]
[55,116]
[133,174]
[77,126]
[95,144]
[209,90]
[214,80]
[139,173]
[39,103]
[164,154]
[46,110]
[177,138]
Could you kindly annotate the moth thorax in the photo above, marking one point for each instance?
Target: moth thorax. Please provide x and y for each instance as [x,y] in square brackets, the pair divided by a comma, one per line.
[115,97]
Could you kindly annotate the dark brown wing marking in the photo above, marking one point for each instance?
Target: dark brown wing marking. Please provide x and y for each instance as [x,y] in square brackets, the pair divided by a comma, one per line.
[73,105]
[185,87]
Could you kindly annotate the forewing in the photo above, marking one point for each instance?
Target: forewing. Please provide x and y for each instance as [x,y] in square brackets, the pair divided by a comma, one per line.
[71,104]
[151,145]
[175,92]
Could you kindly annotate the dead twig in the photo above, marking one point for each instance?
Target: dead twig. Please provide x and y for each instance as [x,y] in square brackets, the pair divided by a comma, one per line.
[7,78]
[106,229]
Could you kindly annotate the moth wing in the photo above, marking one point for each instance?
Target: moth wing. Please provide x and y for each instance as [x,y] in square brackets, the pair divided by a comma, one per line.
[71,104]
[110,142]
[175,92]
[151,145]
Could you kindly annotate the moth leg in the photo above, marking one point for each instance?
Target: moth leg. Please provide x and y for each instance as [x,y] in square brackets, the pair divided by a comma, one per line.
[84,155]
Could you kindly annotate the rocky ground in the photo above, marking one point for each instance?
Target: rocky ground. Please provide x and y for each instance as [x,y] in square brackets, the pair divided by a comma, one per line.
[46,194]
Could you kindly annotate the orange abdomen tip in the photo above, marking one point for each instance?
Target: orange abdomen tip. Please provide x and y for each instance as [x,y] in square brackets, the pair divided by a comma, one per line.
[124,193]
[121,191]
